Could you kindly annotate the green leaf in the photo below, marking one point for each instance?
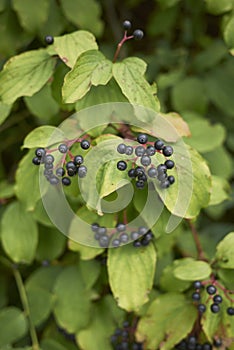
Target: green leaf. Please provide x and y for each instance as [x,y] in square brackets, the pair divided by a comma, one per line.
[55,23]
[105,316]
[91,68]
[51,243]
[90,271]
[4,111]
[159,327]
[70,46]
[3,291]
[25,74]
[43,278]
[129,75]
[222,167]
[167,3]
[189,95]
[27,182]
[229,34]
[170,283]
[6,189]
[51,344]
[71,286]
[31,20]
[42,104]
[227,277]
[225,252]
[188,269]
[40,304]
[219,190]
[128,266]
[216,7]
[43,136]
[19,236]
[86,253]
[84,14]
[199,140]
[13,325]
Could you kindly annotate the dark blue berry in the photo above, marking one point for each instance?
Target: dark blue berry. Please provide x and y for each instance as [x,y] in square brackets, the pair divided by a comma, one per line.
[124,238]
[121,148]
[49,39]
[162,177]
[36,161]
[206,346]
[60,172]
[142,138]
[140,184]
[201,308]
[169,164]
[139,151]
[104,241]
[161,168]
[40,152]
[145,160]
[131,173]
[85,144]
[196,296]
[120,227]
[122,165]
[71,172]
[137,244]
[116,242]
[214,308]
[171,179]
[159,145]
[127,25]
[139,171]
[142,230]
[71,165]
[211,289]
[152,172]
[167,151]
[54,180]
[63,148]
[94,227]
[138,34]
[217,299]
[197,285]
[66,181]
[217,342]
[78,160]
[48,166]
[129,150]
[101,230]
[126,324]
[150,150]
[49,159]
[134,235]
[82,171]
[230,311]
[165,184]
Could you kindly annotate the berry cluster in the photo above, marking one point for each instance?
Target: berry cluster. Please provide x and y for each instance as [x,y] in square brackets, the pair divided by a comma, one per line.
[119,236]
[122,338]
[145,151]
[65,170]
[216,299]
[137,34]
[192,343]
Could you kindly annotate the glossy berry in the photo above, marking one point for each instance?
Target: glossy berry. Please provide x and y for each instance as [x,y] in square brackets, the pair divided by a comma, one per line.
[122,165]
[49,159]
[36,161]
[71,172]
[196,296]
[134,235]
[171,179]
[60,172]
[71,165]
[120,227]
[78,160]
[215,308]
[169,164]
[167,151]
[165,184]
[104,241]
[140,184]
[152,172]
[142,177]
[131,173]
[94,227]
[139,151]
[197,285]
[145,160]
[63,148]
[211,289]
[124,238]
[217,299]
[129,150]
[54,180]
[161,168]
[142,138]
[102,230]
[127,25]
[85,144]
[137,244]
[139,171]
[66,181]
[82,171]
[150,151]
[116,242]
[49,39]
[162,177]
[230,311]
[201,308]
[192,340]
[159,144]
[40,152]
[48,166]
[121,148]
[142,230]
[138,34]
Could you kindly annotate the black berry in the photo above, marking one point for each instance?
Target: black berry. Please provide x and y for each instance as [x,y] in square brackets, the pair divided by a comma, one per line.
[165,184]
[171,179]
[161,168]
[94,227]
[217,342]
[49,159]
[71,165]
[215,308]
[104,241]
[131,173]
[63,148]
[169,164]
[145,160]
[150,150]
[102,230]
[82,171]
[85,144]
[121,165]
[60,172]
[142,138]
[127,25]
[206,346]
[54,180]
[139,171]
[137,244]
[40,152]
[197,285]
[217,299]
[66,181]
[196,296]
[124,238]
[139,151]
[36,161]
[211,289]
[49,39]
[129,150]
[230,311]
[138,34]
[78,160]
[167,151]
[121,148]
[140,184]
[142,230]
[120,227]
[115,242]
[152,172]
[159,145]
[201,308]
[134,235]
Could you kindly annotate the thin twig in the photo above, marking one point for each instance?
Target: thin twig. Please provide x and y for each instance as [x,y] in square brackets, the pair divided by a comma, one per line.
[200,253]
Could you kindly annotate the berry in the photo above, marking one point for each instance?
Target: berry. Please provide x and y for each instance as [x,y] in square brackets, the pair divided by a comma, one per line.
[152,172]
[161,168]
[85,144]
[101,230]
[63,148]
[127,25]
[104,241]
[49,159]
[121,148]
[171,179]
[201,308]
[78,160]
[167,151]
[139,171]
[142,177]
[192,340]
[211,289]
[206,346]
[97,236]
[149,236]
[169,164]
[217,299]
[217,342]
[140,184]
[66,181]
[196,296]
[82,171]
[116,242]
[54,180]
[120,227]
[144,242]
[126,324]
[142,138]
[48,166]
[129,150]
[71,172]
[197,285]
[215,308]
[48,172]
[60,172]
[138,34]
[230,311]
[182,345]
[198,347]
[36,161]
[94,227]
[137,244]
[145,160]
[165,184]
[150,150]
[40,152]
[49,39]
[142,230]
[124,238]
[158,145]
[131,173]
[139,151]
[124,345]
[134,235]
[121,165]
[162,177]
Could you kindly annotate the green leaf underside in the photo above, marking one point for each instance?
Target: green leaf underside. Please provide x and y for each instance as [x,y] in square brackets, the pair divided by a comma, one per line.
[70,46]
[188,269]
[225,252]
[159,327]
[19,234]
[13,325]
[91,68]
[128,266]
[129,75]
[25,74]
